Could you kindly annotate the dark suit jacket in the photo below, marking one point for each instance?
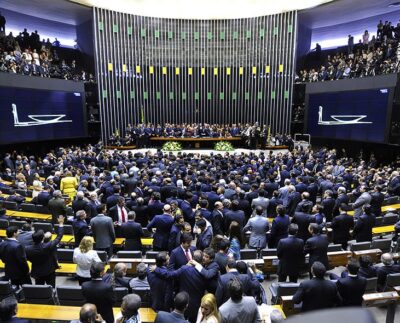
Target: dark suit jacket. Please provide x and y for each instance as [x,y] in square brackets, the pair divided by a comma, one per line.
[100,294]
[166,317]
[279,230]
[163,224]
[273,203]
[317,247]
[341,226]
[316,294]
[43,256]
[12,253]
[80,204]
[217,222]
[237,216]
[211,273]
[204,239]
[43,198]
[177,257]
[156,208]
[81,229]
[57,207]
[161,291]
[222,293]
[290,254]
[328,204]
[376,203]
[142,216]
[343,198]
[294,198]
[382,273]
[303,220]
[132,232]
[112,200]
[351,290]
[363,228]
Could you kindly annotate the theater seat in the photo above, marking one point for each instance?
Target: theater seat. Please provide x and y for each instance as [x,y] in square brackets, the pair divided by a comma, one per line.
[282,289]
[38,294]
[392,280]
[371,285]
[46,227]
[335,247]
[42,209]
[268,252]
[145,296]
[28,207]
[102,255]
[16,223]
[5,290]
[119,293]
[390,218]
[129,254]
[68,229]
[357,246]
[10,205]
[65,255]
[248,254]
[70,295]
[4,224]
[383,244]
[151,254]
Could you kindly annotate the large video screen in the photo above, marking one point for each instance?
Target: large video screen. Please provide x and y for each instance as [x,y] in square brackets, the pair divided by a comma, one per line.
[352,115]
[38,115]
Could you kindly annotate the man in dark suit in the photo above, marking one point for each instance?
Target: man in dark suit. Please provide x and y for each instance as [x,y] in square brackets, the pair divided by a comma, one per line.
[12,253]
[291,257]
[162,224]
[364,225]
[190,281]
[317,293]
[317,246]
[160,289]
[181,255]
[99,293]
[209,269]
[44,196]
[130,183]
[112,200]
[303,219]
[342,198]
[80,226]
[341,226]
[273,203]
[205,236]
[352,288]
[294,198]
[181,302]
[155,206]
[80,203]
[43,255]
[57,206]
[328,203]
[235,215]
[132,232]
[377,198]
[388,268]
[222,294]
[141,212]
[167,189]
[9,311]
[217,219]
[305,200]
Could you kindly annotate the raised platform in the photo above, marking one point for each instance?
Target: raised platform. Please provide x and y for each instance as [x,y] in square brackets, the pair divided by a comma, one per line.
[195,139]
[120,147]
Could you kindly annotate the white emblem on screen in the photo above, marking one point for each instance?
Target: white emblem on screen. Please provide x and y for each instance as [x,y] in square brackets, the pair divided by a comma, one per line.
[38,119]
[341,119]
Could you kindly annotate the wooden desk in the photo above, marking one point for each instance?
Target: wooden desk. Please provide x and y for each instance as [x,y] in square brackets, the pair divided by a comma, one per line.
[68,313]
[29,215]
[383,230]
[375,299]
[131,263]
[386,208]
[338,258]
[288,305]
[66,239]
[259,263]
[375,254]
[270,264]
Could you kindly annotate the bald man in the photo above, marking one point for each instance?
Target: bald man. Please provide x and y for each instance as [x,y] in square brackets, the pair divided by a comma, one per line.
[88,314]
[161,224]
[388,268]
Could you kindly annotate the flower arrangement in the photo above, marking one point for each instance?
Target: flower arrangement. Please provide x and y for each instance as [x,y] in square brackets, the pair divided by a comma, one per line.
[223,146]
[172,146]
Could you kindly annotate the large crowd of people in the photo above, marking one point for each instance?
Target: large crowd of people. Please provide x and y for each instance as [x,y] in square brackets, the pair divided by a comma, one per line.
[199,209]
[26,54]
[376,56]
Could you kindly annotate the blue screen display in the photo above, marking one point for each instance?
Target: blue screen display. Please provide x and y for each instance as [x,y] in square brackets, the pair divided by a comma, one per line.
[37,115]
[351,115]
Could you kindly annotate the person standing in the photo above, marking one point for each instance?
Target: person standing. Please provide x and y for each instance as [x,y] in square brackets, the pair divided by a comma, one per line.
[68,185]
[290,255]
[208,311]
[364,225]
[57,206]
[99,293]
[132,232]
[84,256]
[103,231]
[43,255]
[2,23]
[341,226]
[259,226]
[12,253]
[162,225]
[239,308]
[181,302]
[317,246]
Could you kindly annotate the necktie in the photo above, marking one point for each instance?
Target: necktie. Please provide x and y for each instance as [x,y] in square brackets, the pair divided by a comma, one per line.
[122,215]
[187,255]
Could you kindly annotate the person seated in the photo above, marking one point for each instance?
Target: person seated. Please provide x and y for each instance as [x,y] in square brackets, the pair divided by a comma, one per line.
[388,268]
[140,282]
[181,302]
[88,314]
[8,311]
[118,277]
[129,309]
[317,293]
[352,288]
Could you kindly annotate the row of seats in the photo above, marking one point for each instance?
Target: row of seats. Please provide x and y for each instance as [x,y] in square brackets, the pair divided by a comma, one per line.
[22,192]
[63,295]
[382,244]
[289,289]
[25,207]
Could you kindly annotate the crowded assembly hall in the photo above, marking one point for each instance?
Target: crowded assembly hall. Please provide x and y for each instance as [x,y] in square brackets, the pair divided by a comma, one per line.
[178,161]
